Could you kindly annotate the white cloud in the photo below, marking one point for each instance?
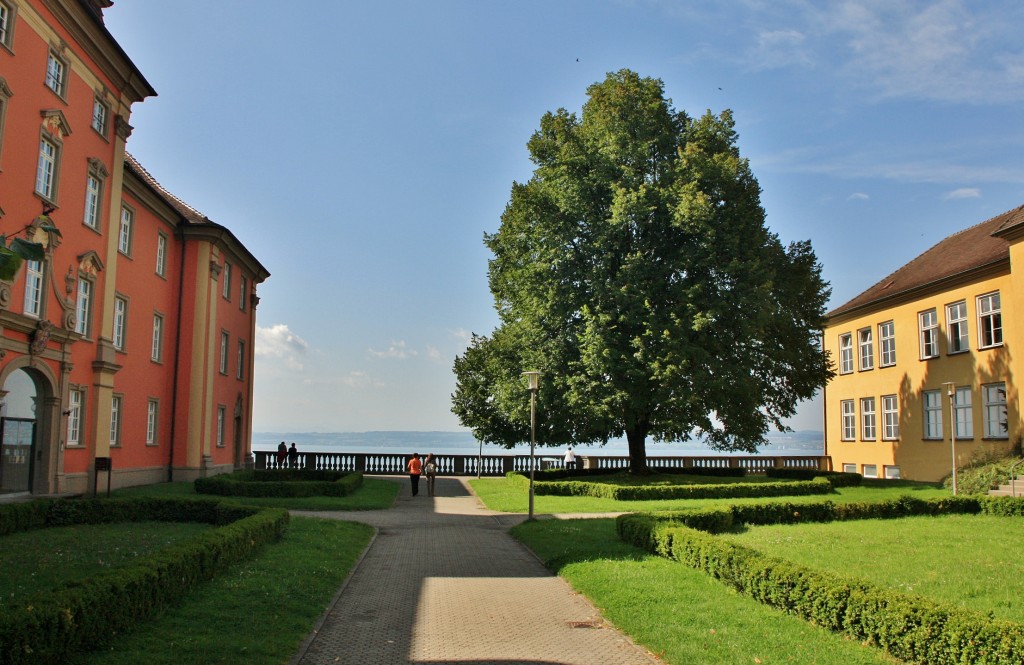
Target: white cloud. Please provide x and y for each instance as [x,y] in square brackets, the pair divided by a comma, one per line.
[359,379]
[858,196]
[399,350]
[433,353]
[963,193]
[278,341]
[462,334]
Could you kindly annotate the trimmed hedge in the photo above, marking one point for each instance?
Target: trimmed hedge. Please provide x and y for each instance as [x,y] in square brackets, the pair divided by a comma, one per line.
[281,483]
[87,614]
[911,628]
[837,478]
[706,491]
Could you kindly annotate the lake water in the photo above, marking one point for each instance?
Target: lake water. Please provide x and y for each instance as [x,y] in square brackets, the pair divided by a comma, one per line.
[463,443]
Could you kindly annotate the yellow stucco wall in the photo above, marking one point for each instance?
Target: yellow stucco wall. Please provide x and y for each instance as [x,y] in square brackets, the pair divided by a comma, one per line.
[910,453]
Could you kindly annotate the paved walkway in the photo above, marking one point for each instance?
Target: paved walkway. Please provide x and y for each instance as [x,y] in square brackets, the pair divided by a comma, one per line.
[443,582]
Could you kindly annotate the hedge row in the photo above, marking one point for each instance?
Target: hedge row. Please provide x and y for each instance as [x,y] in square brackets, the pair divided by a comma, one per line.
[704,491]
[837,478]
[281,483]
[910,628]
[87,614]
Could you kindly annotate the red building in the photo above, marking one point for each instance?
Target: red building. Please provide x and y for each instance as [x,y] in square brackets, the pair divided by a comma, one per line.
[130,344]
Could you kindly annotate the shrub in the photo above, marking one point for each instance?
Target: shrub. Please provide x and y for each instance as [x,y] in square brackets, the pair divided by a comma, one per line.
[662,492]
[837,478]
[281,483]
[86,614]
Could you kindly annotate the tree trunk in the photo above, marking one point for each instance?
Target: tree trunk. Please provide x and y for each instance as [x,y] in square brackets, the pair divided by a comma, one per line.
[637,439]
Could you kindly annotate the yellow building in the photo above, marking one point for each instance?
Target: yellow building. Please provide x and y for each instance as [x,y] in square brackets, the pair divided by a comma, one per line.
[924,359]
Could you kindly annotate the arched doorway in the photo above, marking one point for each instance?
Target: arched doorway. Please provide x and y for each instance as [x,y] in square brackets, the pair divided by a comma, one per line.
[17,432]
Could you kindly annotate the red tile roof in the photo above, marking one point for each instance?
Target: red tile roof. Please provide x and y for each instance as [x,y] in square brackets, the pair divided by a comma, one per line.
[184,209]
[960,253]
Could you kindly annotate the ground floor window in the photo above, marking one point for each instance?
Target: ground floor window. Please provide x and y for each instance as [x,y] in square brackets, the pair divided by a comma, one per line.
[849,468]
[891,472]
[869,471]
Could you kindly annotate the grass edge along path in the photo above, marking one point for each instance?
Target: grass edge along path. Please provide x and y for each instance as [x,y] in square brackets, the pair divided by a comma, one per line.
[256,613]
[682,615]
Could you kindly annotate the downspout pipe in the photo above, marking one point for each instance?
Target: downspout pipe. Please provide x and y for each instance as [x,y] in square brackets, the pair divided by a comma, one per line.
[179,232]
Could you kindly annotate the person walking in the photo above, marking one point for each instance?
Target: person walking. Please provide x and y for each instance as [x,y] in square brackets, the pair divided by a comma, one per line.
[415,467]
[570,460]
[430,470]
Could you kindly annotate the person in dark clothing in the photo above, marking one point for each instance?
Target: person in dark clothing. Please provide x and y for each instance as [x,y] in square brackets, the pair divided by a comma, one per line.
[293,456]
[282,453]
[415,467]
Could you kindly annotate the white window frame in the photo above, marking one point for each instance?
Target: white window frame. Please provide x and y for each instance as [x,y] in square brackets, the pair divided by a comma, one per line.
[891,472]
[225,346]
[157,348]
[34,289]
[83,306]
[48,168]
[76,400]
[958,335]
[57,70]
[221,420]
[865,349]
[868,419]
[931,402]
[93,201]
[963,411]
[100,120]
[226,286]
[116,408]
[120,322]
[161,254]
[995,418]
[846,353]
[990,321]
[928,327]
[240,370]
[152,421]
[126,231]
[243,291]
[7,14]
[849,468]
[890,418]
[887,344]
[848,420]
[869,470]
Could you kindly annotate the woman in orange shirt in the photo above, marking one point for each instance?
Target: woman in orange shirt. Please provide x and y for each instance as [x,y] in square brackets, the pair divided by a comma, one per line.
[415,469]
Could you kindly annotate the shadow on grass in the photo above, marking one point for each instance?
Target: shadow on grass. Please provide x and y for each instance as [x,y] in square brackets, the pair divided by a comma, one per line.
[559,543]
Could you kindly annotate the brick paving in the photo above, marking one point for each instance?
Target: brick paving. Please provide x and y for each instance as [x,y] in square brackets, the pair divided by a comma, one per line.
[443,582]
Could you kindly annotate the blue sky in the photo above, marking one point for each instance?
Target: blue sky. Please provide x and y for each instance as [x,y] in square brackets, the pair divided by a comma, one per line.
[361,151]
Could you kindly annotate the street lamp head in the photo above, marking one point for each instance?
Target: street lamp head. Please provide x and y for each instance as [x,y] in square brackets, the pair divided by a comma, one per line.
[534,379]
[950,388]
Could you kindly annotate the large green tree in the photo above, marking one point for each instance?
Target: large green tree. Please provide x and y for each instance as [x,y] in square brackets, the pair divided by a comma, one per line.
[635,270]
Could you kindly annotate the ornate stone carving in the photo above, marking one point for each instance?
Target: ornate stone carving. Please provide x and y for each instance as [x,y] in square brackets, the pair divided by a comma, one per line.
[215,269]
[123,129]
[40,337]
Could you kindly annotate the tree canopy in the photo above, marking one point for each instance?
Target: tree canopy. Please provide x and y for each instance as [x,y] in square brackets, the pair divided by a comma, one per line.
[635,270]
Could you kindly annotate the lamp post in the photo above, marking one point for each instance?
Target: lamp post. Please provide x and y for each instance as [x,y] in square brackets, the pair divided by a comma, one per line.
[951,392]
[534,380]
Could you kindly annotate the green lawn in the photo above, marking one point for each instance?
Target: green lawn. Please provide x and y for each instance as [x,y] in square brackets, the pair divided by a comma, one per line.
[42,559]
[257,612]
[973,561]
[502,495]
[373,495]
[680,614]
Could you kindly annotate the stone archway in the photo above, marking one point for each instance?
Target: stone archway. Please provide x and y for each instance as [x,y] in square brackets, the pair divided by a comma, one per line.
[28,414]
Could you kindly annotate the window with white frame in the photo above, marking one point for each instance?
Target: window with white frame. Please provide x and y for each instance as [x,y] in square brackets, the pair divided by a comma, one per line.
[221,418]
[240,372]
[124,236]
[157,349]
[93,196]
[5,94]
[887,344]
[891,472]
[869,470]
[33,289]
[6,24]
[225,344]
[995,421]
[849,420]
[867,349]
[867,418]
[929,327]
[956,323]
[75,402]
[963,412]
[990,320]
[849,468]
[46,169]
[890,418]
[56,74]
[932,401]
[83,306]
[846,353]
[120,322]
[243,291]
[100,115]
[152,421]
[116,403]
[226,285]
[161,254]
